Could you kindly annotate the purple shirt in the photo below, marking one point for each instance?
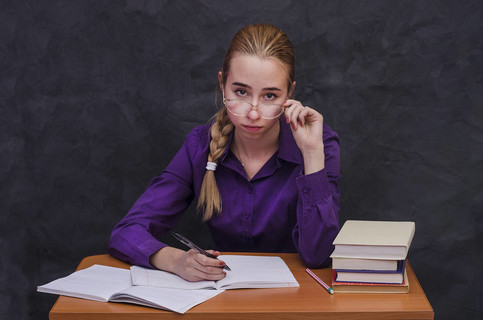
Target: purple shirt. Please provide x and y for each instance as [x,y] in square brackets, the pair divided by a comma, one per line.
[278,210]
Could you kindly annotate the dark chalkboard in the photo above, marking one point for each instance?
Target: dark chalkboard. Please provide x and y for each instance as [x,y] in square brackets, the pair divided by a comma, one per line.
[97,96]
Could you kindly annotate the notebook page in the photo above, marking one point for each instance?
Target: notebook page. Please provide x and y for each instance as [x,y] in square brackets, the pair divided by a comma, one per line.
[256,272]
[94,283]
[177,300]
[157,278]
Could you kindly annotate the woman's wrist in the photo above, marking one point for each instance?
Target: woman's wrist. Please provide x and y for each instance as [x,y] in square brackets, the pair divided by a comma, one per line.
[166,258]
[314,160]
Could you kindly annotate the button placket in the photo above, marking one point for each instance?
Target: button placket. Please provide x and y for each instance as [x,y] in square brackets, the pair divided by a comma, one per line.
[247,214]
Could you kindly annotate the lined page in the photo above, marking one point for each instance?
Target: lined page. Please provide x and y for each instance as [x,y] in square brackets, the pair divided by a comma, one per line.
[94,283]
[177,300]
[158,278]
[256,272]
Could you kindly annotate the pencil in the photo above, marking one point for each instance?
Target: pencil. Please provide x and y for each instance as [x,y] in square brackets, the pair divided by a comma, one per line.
[322,283]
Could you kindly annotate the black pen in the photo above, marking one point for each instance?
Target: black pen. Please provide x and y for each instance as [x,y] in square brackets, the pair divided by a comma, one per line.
[190,244]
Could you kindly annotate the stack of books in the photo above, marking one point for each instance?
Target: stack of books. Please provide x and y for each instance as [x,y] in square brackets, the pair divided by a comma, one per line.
[370,256]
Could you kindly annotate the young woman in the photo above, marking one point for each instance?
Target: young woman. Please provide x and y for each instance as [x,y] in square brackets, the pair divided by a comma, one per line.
[264,173]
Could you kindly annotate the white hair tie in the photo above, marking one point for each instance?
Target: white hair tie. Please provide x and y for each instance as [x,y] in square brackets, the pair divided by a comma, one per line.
[211,166]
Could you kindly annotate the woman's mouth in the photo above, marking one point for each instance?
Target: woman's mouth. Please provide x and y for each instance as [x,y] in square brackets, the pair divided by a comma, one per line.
[252,128]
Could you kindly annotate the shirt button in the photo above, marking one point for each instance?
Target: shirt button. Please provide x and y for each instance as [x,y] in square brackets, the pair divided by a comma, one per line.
[306,190]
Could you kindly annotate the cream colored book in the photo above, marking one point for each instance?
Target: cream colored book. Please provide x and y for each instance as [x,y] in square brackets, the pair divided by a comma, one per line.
[374,239]
[364,264]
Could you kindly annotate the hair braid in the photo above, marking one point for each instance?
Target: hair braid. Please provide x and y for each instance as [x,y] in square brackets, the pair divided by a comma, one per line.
[210,200]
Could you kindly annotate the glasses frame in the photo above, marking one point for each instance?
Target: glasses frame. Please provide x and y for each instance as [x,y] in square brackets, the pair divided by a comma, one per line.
[282,108]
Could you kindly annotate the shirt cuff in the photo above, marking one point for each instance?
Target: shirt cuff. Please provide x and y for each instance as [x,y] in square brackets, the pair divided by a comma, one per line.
[313,187]
[147,249]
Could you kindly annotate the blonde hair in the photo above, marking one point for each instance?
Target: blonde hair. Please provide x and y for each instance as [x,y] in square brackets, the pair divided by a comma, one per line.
[261,40]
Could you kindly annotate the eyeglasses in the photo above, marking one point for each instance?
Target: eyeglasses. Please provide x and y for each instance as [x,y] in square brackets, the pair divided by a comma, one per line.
[241,108]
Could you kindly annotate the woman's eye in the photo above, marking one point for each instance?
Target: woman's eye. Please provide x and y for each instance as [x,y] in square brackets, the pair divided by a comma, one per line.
[241,92]
[270,96]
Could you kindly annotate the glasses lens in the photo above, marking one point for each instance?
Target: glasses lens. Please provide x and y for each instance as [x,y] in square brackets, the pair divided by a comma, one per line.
[238,107]
[270,110]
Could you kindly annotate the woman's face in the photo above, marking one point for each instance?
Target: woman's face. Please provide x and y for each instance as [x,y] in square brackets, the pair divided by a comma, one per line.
[255,80]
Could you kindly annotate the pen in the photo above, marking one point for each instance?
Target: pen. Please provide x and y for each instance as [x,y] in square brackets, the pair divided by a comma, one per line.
[190,244]
[322,283]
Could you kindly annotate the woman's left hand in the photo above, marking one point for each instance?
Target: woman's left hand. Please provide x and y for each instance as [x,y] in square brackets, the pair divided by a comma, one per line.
[307,129]
[306,124]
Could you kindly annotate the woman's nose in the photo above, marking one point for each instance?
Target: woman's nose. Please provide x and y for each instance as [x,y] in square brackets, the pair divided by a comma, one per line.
[253,114]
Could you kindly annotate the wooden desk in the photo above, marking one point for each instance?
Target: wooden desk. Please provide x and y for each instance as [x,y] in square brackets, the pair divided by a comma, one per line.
[309,301]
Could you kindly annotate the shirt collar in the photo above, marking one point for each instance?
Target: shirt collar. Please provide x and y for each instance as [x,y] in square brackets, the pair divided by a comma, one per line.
[287,149]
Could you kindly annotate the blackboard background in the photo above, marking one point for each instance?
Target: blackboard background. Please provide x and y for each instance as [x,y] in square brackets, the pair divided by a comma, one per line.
[97,96]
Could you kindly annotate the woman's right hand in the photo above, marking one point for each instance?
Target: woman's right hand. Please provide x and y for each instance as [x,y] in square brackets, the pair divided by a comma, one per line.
[189,265]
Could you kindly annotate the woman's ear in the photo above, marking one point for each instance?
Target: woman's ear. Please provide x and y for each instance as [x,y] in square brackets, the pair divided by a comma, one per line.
[292,88]
[220,81]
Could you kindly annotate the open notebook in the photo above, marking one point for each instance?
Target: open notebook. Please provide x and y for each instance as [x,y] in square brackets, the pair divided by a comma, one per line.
[163,290]
[103,283]
[246,272]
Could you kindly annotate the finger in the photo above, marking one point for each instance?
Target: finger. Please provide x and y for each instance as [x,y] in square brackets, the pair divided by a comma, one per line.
[199,275]
[207,269]
[211,271]
[209,276]
[196,268]
[209,262]
[208,272]
[217,254]
[291,101]
[287,111]
[193,278]
[310,115]
[302,115]
[289,108]
[196,254]
[305,115]
[213,252]
[295,116]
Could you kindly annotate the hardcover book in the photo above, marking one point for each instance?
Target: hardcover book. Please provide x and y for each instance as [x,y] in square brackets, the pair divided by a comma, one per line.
[364,264]
[360,287]
[372,276]
[386,240]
